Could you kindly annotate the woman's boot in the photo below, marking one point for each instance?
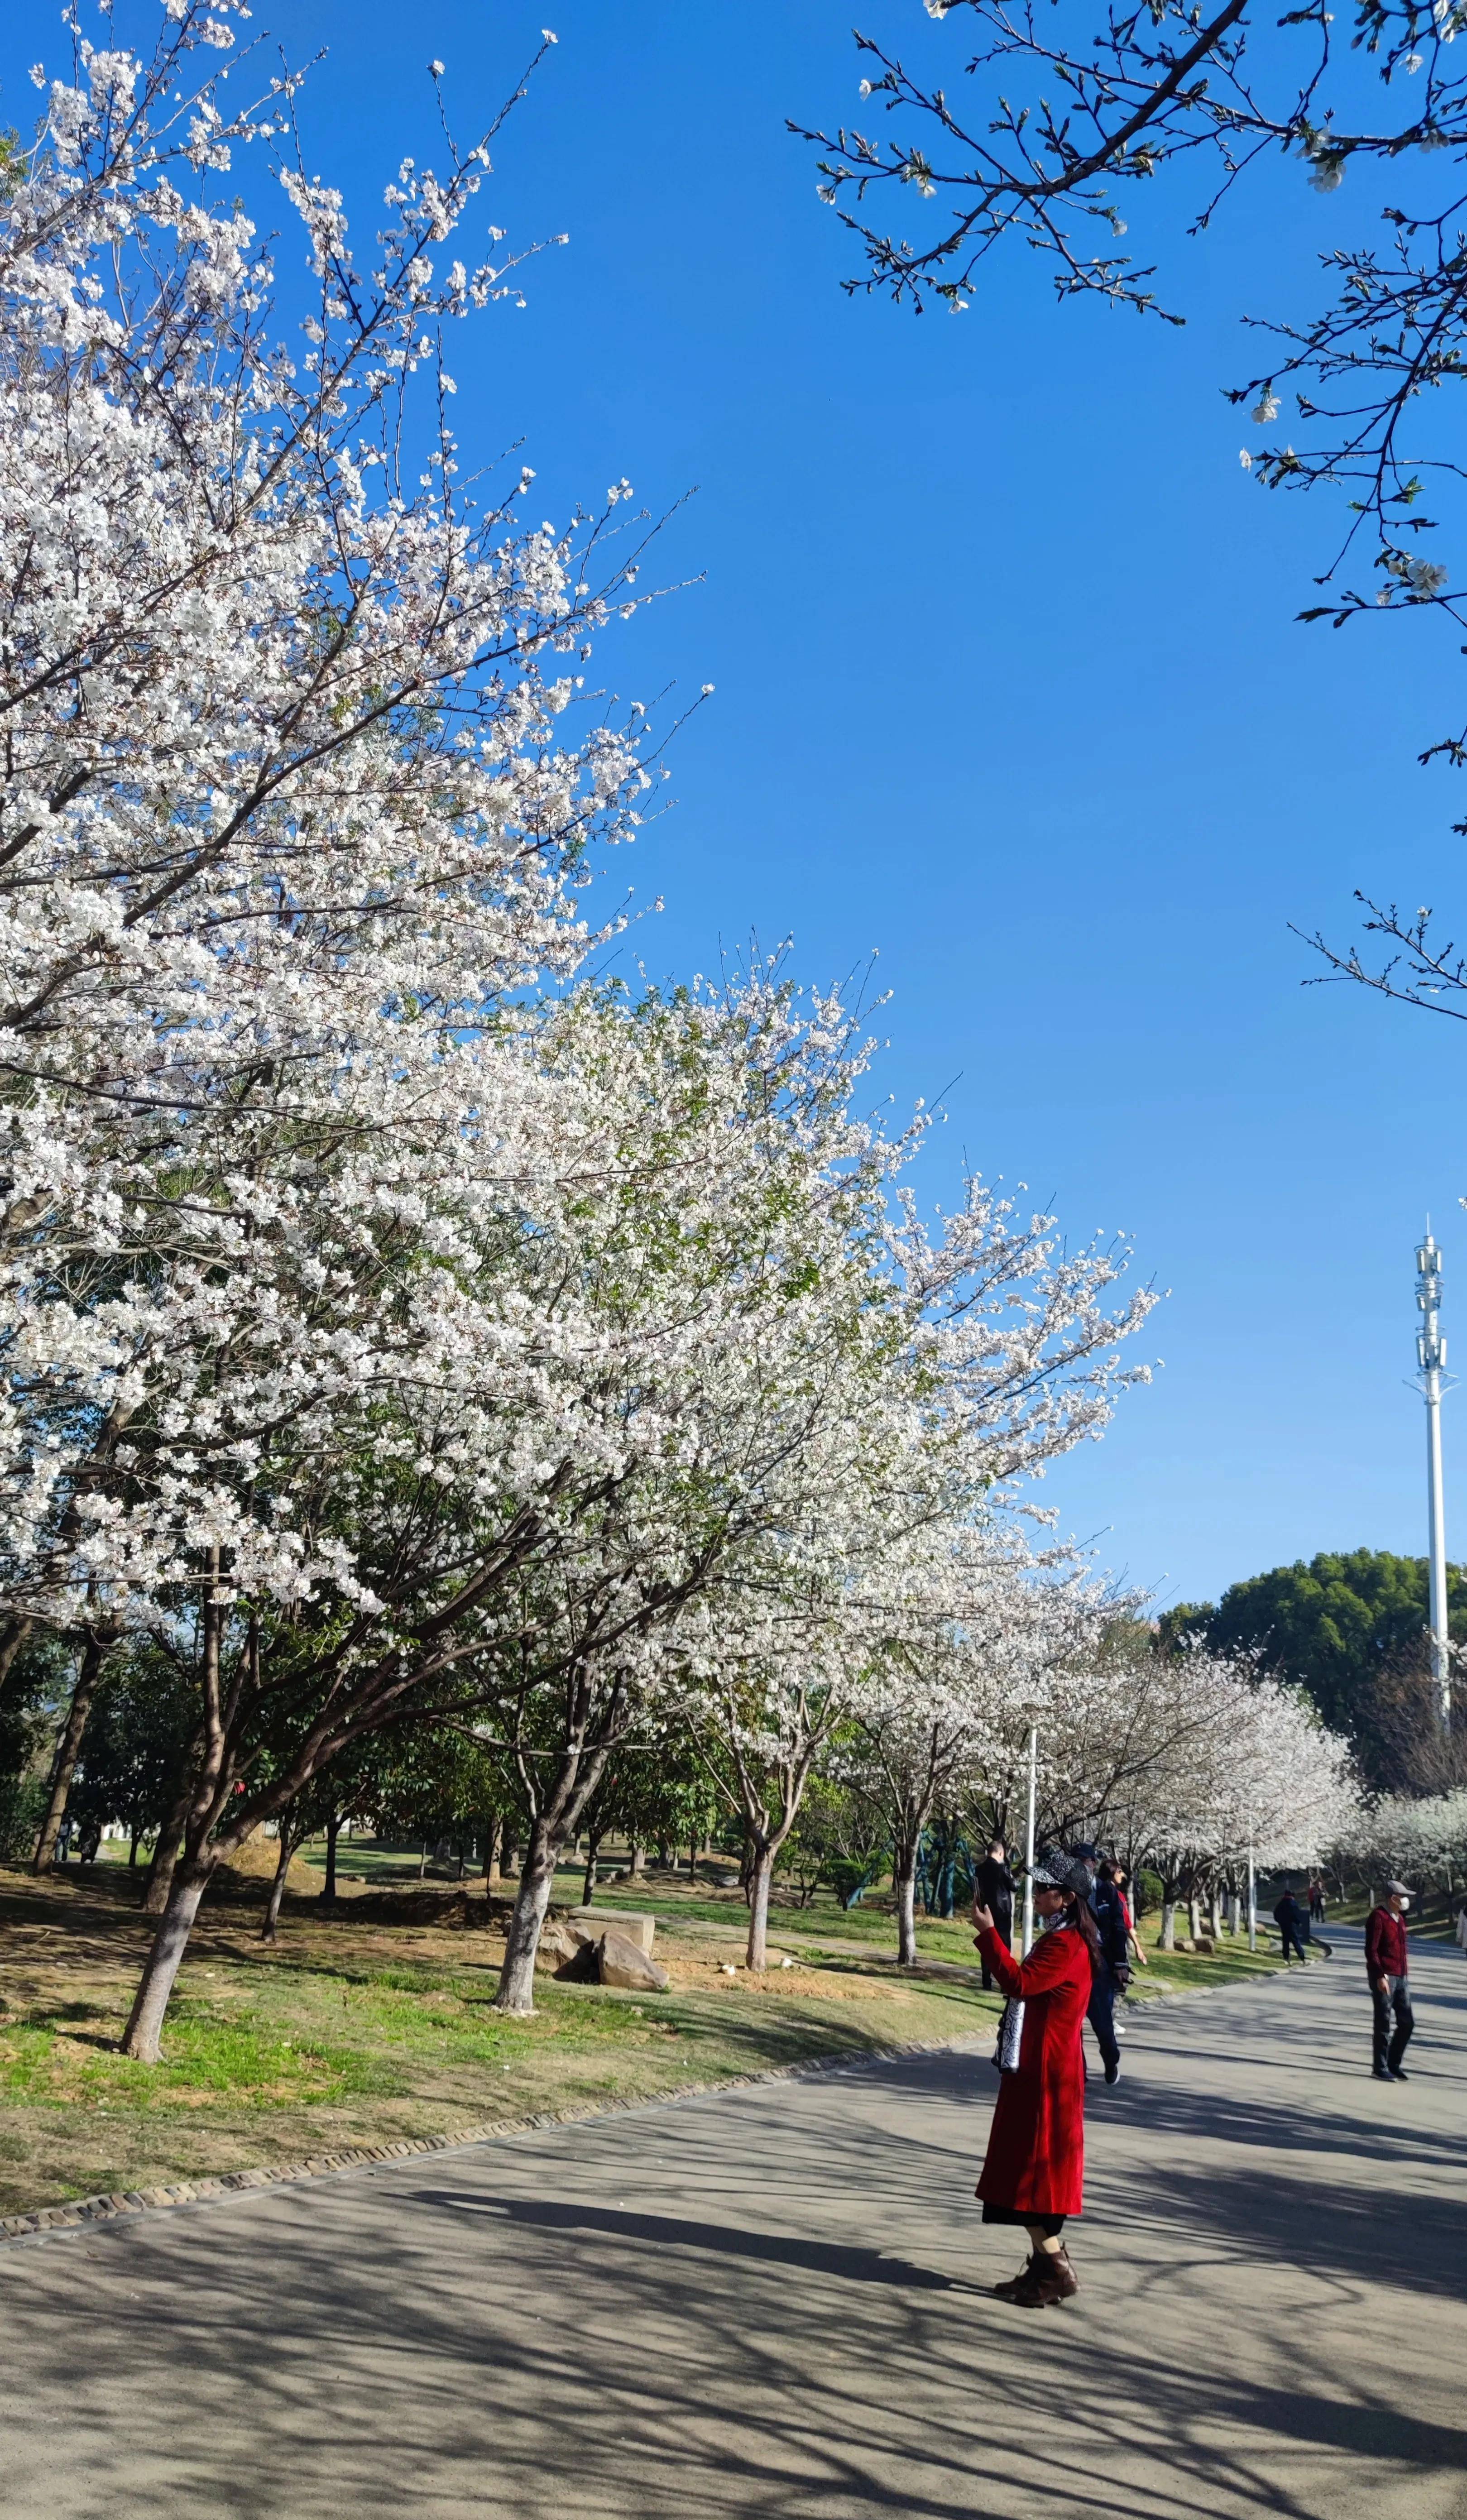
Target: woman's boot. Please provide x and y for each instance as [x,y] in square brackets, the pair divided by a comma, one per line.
[1047,2279]
[1009,2291]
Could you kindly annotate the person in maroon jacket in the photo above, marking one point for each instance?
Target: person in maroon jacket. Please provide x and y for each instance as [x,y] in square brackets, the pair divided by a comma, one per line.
[1033,2170]
[1387,1966]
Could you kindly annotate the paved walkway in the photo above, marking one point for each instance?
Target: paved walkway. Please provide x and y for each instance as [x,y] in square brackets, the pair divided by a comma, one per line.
[770,2304]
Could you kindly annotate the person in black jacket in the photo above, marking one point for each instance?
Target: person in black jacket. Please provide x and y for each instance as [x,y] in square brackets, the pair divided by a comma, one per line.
[1294,1926]
[993,1888]
[1113,1969]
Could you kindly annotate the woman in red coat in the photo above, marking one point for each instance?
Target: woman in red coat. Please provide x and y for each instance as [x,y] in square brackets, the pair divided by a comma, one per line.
[1035,2166]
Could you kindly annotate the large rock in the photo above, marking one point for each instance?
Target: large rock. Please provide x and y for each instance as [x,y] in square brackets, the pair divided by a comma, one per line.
[568,1955]
[592,1922]
[621,1962]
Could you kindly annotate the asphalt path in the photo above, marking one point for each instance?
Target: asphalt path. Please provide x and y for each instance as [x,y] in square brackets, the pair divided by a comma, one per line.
[774,2302]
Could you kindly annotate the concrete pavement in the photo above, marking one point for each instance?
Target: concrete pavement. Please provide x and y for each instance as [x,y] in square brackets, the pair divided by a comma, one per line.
[772,2304]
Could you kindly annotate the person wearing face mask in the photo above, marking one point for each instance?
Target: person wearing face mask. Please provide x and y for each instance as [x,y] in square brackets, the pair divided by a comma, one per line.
[1387,1969]
[1032,2172]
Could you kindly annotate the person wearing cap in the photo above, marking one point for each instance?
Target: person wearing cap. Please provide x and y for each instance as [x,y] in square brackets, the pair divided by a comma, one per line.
[1033,2170]
[1388,1969]
[1113,1966]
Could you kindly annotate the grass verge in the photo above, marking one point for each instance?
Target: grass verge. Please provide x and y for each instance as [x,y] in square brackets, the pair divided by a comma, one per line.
[351,2034]
[346,2035]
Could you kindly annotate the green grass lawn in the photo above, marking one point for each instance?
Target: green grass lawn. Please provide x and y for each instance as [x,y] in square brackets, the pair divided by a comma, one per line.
[344,2035]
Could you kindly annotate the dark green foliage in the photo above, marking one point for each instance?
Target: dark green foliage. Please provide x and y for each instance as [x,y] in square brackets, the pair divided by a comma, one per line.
[30,1701]
[1146,1893]
[1351,1628]
[833,1841]
[412,1781]
[31,1697]
[656,1797]
[23,1808]
[1184,1619]
[136,1742]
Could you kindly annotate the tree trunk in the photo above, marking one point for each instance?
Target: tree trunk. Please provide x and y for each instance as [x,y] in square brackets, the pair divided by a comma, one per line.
[132,1852]
[170,1942]
[512,1858]
[516,1983]
[422,1862]
[329,1886]
[638,1861]
[760,1878]
[1167,1939]
[16,1632]
[587,1886]
[494,1838]
[904,1885]
[277,1885]
[1215,1913]
[1194,1916]
[94,1655]
[169,1842]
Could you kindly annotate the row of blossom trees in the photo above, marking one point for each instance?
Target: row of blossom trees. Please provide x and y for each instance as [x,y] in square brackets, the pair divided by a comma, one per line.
[400,1331]
[1188,1762]
[406,1335]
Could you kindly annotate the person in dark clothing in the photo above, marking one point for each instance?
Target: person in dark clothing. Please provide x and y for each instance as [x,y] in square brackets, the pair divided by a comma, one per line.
[993,1889]
[1387,1969]
[1113,1969]
[1294,1925]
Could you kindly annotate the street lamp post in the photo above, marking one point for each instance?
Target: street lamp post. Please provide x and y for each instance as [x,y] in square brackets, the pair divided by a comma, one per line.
[1029,1843]
[1431,1362]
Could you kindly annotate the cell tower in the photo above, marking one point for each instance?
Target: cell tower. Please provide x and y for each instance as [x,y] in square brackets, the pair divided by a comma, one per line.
[1431,1362]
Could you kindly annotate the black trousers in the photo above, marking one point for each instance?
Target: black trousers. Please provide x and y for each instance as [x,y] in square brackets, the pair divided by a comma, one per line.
[1393,1995]
[1291,1941]
[1004,1924]
[1101,2013]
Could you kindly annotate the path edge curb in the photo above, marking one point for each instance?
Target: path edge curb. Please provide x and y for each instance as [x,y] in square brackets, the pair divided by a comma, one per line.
[94,2213]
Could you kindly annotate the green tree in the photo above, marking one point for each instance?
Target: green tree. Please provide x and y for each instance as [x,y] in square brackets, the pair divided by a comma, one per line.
[1351,1628]
[30,1694]
[136,1745]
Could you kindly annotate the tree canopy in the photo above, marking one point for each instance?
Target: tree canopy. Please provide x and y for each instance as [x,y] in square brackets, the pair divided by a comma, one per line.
[1350,1627]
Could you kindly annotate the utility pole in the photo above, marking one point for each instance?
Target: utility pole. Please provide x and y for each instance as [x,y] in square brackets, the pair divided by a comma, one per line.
[1431,1362]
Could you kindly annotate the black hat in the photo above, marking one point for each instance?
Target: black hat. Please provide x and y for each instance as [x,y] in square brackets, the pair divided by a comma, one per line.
[1053,1869]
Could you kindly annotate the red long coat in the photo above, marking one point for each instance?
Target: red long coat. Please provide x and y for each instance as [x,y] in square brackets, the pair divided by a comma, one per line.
[1036,2145]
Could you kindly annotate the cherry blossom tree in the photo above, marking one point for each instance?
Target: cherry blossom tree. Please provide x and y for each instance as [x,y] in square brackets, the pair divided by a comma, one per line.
[997,1354]
[1420,1835]
[1235,1764]
[290,811]
[947,1700]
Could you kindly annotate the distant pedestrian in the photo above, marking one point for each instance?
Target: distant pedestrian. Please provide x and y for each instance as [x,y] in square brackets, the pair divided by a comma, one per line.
[993,1889]
[1317,1901]
[1294,1926]
[1113,1964]
[1388,1970]
[1033,2170]
[1122,1879]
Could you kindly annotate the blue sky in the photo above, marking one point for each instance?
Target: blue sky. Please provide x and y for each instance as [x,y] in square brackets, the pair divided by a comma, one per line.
[1009,688]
